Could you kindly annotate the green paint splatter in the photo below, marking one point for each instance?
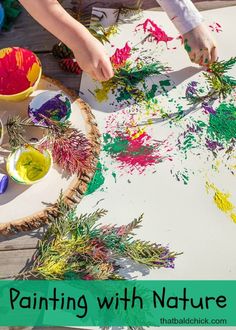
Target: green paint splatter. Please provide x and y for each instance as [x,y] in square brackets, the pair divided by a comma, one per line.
[114,145]
[222,125]
[151,94]
[114,176]
[124,96]
[165,83]
[187,46]
[189,143]
[182,176]
[97,180]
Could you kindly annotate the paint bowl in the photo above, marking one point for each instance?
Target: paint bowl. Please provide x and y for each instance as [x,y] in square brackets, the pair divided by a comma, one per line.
[4,180]
[27,165]
[1,131]
[20,72]
[2,16]
[50,104]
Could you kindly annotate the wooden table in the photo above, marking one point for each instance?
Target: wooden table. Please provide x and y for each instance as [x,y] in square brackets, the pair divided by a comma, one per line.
[17,251]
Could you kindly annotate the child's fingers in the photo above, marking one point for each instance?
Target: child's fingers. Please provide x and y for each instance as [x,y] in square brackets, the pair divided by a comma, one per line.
[100,75]
[107,70]
[192,56]
[214,55]
[93,75]
[206,57]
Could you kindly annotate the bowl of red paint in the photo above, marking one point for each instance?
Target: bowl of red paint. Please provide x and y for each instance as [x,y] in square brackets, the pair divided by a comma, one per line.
[20,73]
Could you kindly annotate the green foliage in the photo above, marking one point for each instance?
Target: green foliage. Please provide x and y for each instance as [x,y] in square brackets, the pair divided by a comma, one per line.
[220,85]
[77,247]
[132,76]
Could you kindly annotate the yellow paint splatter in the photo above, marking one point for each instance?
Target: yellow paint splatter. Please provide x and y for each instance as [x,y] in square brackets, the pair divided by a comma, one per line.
[111,31]
[101,94]
[233,217]
[136,134]
[222,201]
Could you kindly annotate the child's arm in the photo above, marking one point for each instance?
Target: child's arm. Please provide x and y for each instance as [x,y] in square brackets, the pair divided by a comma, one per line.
[88,51]
[198,41]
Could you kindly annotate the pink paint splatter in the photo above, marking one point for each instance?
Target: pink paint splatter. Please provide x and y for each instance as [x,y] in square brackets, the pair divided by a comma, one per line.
[134,152]
[216,27]
[119,58]
[156,33]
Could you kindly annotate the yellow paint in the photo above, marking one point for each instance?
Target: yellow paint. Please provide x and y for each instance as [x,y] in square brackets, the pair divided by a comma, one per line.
[137,134]
[101,94]
[19,59]
[233,217]
[111,31]
[4,52]
[222,201]
[32,165]
[34,73]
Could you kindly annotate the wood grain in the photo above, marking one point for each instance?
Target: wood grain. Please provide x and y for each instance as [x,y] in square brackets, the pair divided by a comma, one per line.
[13,262]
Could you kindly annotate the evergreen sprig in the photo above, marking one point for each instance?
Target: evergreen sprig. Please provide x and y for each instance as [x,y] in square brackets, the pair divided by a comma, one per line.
[71,150]
[220,85]
[79,248]
[132,76]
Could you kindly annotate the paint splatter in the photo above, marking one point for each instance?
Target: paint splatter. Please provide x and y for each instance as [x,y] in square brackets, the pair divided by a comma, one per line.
[128,84]
[111,31]
[182,176]
[187,47]
[119,58]
[216,27]
[156,33]
[97,180]
[222,124]
[133,152]
[222,201]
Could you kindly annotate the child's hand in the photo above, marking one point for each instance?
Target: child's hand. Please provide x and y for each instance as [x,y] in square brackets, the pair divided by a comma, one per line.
[93,59]
[200,46]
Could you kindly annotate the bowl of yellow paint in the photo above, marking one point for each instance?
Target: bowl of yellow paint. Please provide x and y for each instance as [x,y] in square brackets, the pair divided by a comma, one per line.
[20,73]
[27,165]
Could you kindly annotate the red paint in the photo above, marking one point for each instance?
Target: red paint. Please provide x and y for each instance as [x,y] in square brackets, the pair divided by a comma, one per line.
[157,34]
[119,58]
[14,68]
[216,27]
[141,153]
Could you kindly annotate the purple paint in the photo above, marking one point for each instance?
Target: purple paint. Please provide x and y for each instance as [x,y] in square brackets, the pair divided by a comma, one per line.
[213,145]
[208,109]
[4,180]
[53,105]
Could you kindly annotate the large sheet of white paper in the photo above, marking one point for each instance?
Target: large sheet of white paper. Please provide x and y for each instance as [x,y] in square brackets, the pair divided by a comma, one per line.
[156,161]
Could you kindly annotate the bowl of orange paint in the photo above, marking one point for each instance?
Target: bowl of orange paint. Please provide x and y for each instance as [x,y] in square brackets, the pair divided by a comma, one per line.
[20,73]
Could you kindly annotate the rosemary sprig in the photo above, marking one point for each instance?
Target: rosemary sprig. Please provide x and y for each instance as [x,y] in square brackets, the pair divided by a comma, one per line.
[16,128]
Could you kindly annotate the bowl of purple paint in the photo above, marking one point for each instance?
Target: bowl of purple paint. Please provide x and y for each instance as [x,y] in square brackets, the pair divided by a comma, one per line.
[52,105]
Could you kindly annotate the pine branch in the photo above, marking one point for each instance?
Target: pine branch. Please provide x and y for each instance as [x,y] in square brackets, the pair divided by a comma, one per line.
[135,224]
[220,85]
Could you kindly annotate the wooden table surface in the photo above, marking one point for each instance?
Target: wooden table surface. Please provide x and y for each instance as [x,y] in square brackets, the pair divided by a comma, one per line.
[17,251]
